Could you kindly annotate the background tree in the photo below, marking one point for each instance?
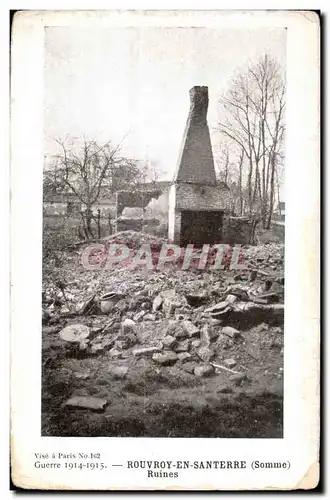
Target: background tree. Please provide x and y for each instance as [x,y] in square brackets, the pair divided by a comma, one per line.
[229,162]
[253,121]
[85,168]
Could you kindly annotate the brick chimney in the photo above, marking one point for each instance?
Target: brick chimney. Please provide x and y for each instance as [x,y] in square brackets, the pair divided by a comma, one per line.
[196,202]
[195,163]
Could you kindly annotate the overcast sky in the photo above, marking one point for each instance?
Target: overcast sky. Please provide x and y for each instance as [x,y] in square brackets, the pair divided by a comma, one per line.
[106,83]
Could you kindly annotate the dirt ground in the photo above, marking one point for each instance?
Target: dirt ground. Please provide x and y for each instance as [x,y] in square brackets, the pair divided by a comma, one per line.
[145,398]
[168,402]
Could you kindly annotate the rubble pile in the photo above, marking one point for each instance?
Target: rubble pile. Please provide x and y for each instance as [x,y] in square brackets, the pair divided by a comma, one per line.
[197,322]
[134,239]
[270,255]
[121,290]
[194,349]
[262,261]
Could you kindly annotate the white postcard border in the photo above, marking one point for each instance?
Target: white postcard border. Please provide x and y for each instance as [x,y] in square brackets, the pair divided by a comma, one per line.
[301,425]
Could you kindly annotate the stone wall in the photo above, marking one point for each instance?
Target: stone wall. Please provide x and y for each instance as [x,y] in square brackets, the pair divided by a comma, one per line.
[201,197]
[139,199]
[194,197]
[237,230]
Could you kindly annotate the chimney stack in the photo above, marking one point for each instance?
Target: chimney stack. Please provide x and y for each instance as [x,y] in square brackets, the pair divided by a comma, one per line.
[196,203]
[195,163]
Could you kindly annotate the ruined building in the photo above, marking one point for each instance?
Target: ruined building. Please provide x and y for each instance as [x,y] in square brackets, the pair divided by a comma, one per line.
[196,202]
[195,206]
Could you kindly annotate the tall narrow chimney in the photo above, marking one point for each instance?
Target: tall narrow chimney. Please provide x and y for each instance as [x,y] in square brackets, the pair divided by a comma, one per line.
[195,162]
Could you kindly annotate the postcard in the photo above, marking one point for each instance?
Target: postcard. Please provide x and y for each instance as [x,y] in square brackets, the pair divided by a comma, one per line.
[165,172]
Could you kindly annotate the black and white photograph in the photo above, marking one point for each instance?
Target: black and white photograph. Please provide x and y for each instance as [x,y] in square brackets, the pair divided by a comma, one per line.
[163,232]
[165,174]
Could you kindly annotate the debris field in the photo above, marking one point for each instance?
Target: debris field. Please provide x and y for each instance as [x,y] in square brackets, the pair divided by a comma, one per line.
[164,353]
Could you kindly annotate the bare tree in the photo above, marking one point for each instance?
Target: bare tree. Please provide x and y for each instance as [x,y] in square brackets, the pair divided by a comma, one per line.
[240,180]
[229,161]
[149,172]
[253,119]
[84,169]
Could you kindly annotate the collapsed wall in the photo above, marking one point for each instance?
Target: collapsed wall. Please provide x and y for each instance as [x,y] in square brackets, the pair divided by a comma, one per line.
[138,200]
[238,230]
